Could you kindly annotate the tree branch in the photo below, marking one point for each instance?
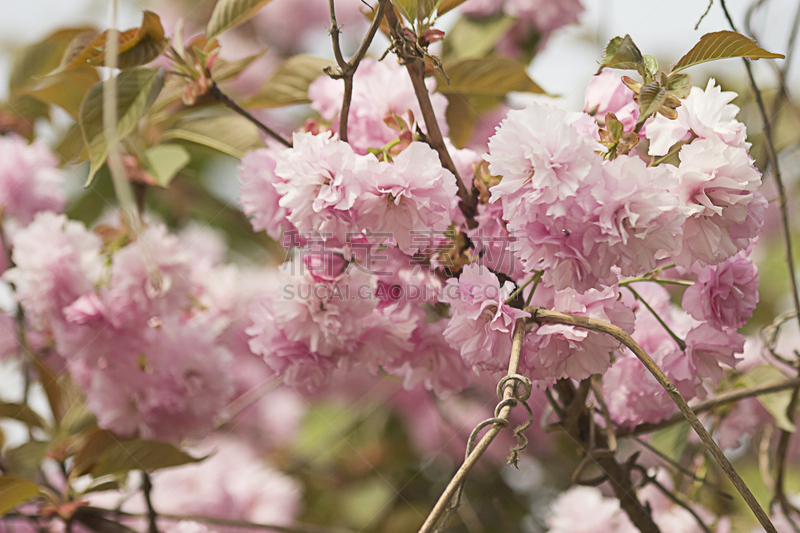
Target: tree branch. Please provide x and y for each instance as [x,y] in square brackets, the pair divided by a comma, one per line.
[224,99]
[415,65]
[461,475]
[541,315]
[147,489]
[348,68]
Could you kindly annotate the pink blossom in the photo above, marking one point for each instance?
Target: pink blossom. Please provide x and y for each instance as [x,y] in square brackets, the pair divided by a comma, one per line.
[707,349]
[492,238]
[716,183]
[301,369]
[258,196]
[151,277]
[326,315]
[632,393]
[555,351]
[708,114]
[585,510]
[319,185]
[482,323]
[233,482]
[546,15]
[30,181]
[56,261]
[433,362]
[725,295]
[607,94]
[542,160]
[638,217]
[168,383]
[380,89]
[413,196]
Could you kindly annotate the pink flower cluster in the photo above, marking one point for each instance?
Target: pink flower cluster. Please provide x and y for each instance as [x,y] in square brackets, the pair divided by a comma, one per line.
[381,90]
[559,209]
[140,329]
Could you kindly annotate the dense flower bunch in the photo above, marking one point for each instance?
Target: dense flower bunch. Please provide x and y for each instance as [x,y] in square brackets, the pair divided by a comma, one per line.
[382,219]
[405,257]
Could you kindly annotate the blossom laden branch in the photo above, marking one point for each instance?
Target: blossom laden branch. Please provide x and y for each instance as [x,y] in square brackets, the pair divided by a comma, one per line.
[415,65]
[541,315]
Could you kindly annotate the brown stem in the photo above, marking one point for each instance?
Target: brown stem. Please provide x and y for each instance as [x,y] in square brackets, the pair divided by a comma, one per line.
[224,99]
[541,315]
[772,156]
[348,68]
[619,476]
[461,475]
[152,517]
[416,70]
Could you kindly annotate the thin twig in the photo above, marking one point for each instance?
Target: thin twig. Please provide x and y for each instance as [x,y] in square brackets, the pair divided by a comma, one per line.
[723,399]
[680,342]
[678,501]
[224,99]
[152,517]
[541,315]
[416,70]
[348,68]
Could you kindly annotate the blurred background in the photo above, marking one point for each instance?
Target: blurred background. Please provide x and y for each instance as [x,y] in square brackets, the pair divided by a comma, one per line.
[377,458]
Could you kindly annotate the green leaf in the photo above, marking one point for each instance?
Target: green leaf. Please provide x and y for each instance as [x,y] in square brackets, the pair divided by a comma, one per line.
[222,70]
[23,413]
[776,403]
[672,440]
[679,84]
[651,97]
[723,45]
[136,47]
[229,134]
[621,53]
[489,76]
[127,455]
[65,88]
[137,89]
[14,491]
[25,460]
[461,118]
[94,444]
[230,13]
[426,8]
[448,5]
[164,161]
[407,8]
[475,37]
[72,148]
[289,84]
[51,382]
[650,65]
[35,61]
[41,58]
